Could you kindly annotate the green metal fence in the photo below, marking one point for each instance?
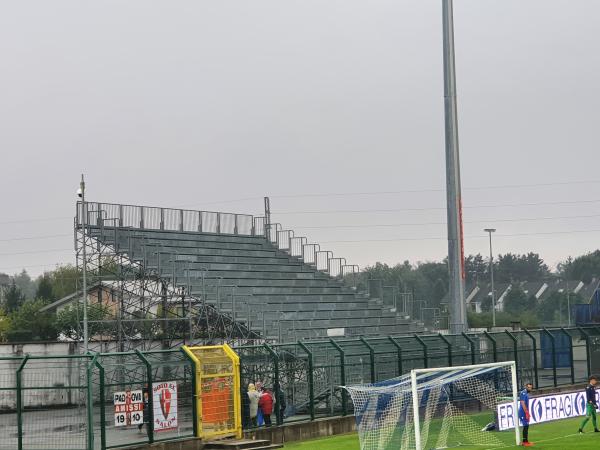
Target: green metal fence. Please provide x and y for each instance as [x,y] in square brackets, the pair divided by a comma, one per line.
[68,402]
[309,374]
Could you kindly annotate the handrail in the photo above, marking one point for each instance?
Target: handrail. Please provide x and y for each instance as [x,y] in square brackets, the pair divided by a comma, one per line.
[213,222]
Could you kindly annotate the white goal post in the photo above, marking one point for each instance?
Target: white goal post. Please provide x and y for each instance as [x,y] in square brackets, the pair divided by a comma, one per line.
[415,396]
[436,408]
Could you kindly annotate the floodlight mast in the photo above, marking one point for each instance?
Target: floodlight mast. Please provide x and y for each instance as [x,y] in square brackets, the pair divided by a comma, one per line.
[456,260]
[81,194]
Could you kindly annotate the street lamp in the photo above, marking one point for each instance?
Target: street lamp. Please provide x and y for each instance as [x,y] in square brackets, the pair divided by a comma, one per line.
[81,195]
[568,302]
[490,231]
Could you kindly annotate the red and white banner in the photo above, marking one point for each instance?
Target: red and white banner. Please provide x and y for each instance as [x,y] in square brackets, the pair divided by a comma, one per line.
[164,398]
[129,408]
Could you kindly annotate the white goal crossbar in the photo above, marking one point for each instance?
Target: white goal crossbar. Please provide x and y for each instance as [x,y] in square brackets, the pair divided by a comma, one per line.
[414,376]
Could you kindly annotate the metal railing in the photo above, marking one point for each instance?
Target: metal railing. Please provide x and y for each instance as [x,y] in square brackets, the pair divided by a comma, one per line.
[309,373]
[67,401]
[170,219]
[184,220]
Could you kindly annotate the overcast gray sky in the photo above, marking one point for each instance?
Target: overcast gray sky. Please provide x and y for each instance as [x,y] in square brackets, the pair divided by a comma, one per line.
[192,103]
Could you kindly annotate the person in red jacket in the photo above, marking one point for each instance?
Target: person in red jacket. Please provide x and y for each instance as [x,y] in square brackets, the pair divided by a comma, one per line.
[265,403]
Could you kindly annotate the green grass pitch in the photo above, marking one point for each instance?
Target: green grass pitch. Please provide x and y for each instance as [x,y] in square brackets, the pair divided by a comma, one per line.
[557,435]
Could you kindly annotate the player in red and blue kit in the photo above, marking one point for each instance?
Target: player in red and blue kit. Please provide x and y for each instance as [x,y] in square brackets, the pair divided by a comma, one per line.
[524,415]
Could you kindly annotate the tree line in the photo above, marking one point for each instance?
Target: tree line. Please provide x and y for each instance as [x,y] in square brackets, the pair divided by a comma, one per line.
[428,284]
[22,298]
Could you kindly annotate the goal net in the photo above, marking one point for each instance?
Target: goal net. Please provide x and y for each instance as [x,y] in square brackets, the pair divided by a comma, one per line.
[435,408]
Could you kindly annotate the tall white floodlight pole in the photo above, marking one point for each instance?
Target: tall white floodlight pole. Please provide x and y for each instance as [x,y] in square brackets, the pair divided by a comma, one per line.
[83,226]
[456,260]
[490,231]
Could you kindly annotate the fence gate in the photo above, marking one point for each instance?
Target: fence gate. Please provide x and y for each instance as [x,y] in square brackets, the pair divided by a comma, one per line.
[218,401]
[595,354]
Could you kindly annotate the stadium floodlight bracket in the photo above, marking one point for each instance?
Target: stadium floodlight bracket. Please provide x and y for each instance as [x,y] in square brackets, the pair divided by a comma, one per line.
[415,394]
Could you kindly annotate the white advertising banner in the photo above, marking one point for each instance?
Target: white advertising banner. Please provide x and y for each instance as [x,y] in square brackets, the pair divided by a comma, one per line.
[129,408]
[545,409]
[165,405]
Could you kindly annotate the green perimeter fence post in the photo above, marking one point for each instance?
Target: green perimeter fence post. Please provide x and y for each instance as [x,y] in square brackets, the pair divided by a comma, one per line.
[20,403]
[587,350]
[342,376]
[449,345]
[535,360]
[515,351]
[425,351]
[194,392]
[471,344]
[150,396]
[371,358]
[399,349]
[553,345]
[90,401]
[102,406]
[566,333]
[276,387]
[311,385]
[494,345]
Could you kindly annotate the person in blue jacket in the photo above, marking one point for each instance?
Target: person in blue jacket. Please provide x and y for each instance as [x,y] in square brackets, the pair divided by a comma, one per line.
[590,405]
[524,415]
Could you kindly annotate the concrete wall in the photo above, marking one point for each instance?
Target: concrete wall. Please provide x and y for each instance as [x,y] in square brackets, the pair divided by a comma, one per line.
[305,430]
[38,349]
[57,375]
[277,435]
[185,444]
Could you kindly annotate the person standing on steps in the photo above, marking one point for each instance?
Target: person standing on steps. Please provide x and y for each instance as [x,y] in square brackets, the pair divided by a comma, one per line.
[253,397]
[265,403]
[591,405]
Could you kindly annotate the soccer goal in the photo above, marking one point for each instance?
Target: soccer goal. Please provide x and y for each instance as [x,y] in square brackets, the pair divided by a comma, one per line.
[436,408]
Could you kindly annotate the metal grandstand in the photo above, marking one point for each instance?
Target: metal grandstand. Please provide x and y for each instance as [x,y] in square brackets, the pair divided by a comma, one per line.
[202,276]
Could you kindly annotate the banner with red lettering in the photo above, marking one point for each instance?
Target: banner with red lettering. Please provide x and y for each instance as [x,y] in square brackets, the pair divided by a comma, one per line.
[164,398]
[129,408]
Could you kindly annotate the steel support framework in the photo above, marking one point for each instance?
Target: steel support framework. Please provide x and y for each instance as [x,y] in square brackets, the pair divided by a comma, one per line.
[147,311]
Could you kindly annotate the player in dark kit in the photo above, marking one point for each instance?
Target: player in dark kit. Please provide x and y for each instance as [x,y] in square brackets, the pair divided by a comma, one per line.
[590,405]
[524,415]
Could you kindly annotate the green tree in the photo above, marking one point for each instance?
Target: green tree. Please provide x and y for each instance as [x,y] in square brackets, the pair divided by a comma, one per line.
[516,302]
[584,267]
[13,297]
[68,321]
[4,325]
[555,307]
[25,284]
[64,280]
[29,323]
[45,289]
[476,268]
[511,267]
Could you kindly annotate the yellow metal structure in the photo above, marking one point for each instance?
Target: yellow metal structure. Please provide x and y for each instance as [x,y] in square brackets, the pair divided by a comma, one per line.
[218,402]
